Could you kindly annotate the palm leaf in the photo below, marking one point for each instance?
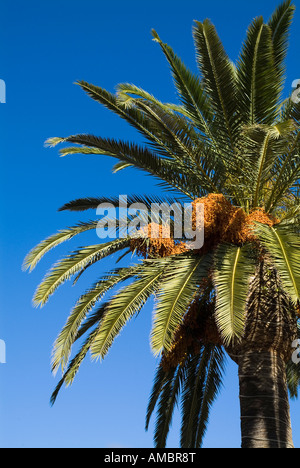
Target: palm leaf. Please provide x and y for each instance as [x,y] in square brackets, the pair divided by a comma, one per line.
[286,170]
[200,389]
[218,80]
[149,127]
[234,267]
[283,246]
[85,303]
[257,76]
[168,399]
[126,91]
[174,296]
[159,379]
[72,264]
[176,175]
[36,254]
[188,149]
[192,398]
[264,148]
[212,387]
[92,203]
[127,303]
[190,91]
[196,382]
[133,116]
[280,23]
[74,366]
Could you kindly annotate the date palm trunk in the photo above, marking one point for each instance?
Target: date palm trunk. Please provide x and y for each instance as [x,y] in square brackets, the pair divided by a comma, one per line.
[264,402]
[262,355]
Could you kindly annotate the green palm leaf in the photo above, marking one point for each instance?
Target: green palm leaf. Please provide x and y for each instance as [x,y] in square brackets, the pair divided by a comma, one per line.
[280,23]
[85,303]
[133,116]
[160,377]
[92,203]
[234,267]
[192,398]
[286,170]
[126,91]
[149,127]
[72,264]
[168,399]
[174,296]
[212,386]
[74,365]
[274,143]
[37,253]
[283,246]
[177,175]
[196,383]
[127,303]
[218,80]
[257,76]
[203,380]
[190,91]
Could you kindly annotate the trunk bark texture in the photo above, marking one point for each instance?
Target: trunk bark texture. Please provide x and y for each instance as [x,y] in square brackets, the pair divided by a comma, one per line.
[265,411]
[262,355]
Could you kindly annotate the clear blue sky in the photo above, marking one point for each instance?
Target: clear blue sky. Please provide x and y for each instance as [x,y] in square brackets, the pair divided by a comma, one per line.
[45,47]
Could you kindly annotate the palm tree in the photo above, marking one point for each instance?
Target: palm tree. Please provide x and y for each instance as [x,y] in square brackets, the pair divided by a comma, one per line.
[231,143]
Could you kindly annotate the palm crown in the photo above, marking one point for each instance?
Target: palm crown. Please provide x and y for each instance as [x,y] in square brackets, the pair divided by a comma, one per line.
[231,143]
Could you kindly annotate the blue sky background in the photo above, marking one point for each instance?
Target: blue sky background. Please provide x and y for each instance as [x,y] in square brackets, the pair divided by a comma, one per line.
[45,47]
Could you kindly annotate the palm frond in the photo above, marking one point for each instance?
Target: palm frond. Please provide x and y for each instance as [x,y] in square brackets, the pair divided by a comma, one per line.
[176,129]
[195,383]
[286,172]
[192,398]
[84,305]
[127,303]
[280,23]
[283,246]
[133,116]
[234,267]
[174,296]
[203,381]
[212,386]
[126,91]
[190,91]
[159,379]
[219,81]
[168,399]
[149,127]
[186,147]
[92,203]
[72,264]
[290,108]
[263,148]
[177,175]
[291,217]
[74,365]
[258,76]
[38,252]
[197,108]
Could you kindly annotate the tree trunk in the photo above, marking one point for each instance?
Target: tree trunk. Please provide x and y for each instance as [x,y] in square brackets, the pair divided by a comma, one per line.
[265,411]
[262,356]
